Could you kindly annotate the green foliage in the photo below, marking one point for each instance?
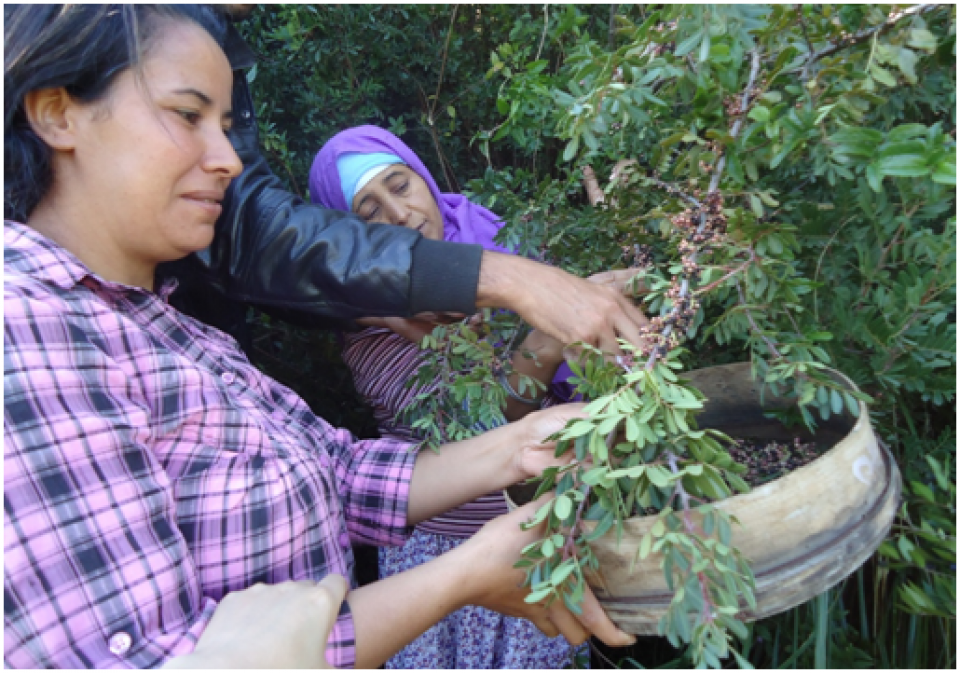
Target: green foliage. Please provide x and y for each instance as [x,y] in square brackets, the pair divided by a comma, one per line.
[840,250]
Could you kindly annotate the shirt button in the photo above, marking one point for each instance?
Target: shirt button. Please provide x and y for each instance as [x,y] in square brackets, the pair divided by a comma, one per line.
[344,541]
[120,642]
[245,114]
[228,377]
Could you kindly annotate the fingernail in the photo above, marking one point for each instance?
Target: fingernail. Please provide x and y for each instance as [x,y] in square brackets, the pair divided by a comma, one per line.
[627,639]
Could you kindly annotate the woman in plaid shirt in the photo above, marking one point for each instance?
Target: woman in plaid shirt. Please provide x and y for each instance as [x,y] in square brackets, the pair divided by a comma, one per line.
[154,479]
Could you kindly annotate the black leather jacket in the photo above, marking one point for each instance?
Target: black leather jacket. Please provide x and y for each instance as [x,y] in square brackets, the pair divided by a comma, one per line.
[305,264]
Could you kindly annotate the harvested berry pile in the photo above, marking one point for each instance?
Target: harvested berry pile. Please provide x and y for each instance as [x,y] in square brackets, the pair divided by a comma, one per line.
[766,460]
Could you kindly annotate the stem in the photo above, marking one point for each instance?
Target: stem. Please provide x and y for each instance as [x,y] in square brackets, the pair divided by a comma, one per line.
[543,36]
[756,328]
[612,28]
[816,303]
[691,528]
[891,21]
[742,267]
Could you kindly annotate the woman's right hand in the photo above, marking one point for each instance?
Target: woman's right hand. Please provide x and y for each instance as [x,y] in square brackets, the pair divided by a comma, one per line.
[270,626]
[497,585]
[619,280]
[548,349]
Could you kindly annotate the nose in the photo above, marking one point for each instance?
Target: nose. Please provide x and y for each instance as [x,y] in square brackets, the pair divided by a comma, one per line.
[397,212]
[221,157]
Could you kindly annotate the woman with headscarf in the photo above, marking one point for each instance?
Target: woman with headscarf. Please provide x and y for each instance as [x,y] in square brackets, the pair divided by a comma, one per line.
[373,173]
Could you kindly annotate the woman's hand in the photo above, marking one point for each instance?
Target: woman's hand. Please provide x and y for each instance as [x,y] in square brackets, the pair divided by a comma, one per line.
[548,349]
[619,280]
[270,626]
[533,454]
[495,584]
[568,308]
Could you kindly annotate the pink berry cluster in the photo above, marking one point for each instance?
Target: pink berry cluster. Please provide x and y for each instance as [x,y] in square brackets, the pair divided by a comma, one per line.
[699,229]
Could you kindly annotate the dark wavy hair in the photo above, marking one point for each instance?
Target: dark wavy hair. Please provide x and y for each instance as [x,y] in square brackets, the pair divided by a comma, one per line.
[81,48]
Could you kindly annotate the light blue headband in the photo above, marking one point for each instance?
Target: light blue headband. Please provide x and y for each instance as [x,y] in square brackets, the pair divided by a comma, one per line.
[356,170]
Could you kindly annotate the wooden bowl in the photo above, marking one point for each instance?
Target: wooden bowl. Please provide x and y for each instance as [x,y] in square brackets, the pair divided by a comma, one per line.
[802,533]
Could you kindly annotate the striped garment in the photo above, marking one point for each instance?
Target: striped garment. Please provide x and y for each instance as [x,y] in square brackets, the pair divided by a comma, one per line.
[382,362]
[150,469]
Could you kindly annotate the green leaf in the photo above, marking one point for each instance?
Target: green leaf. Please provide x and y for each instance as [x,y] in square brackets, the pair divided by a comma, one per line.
[904,166]
[658,477]
[646,543]
[658,529]
[922,39]
[578,429]
[563,507]
[537,596]
[688,44]
[756,206]
[562,572]
[836,402]
[907,60]
[571,150]
[946,172]
[857,141]
[759,113]
[874,177]
[883,75]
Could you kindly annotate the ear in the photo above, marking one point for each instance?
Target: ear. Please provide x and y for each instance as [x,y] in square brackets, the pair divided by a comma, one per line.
[51,116]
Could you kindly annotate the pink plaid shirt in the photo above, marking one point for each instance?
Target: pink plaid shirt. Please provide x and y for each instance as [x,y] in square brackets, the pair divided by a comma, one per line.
[150,469]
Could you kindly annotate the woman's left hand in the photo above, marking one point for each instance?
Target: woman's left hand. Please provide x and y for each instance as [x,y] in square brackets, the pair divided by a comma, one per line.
[494,583]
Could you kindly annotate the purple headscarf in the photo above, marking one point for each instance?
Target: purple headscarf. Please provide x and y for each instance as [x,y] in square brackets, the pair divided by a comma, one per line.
[463,221]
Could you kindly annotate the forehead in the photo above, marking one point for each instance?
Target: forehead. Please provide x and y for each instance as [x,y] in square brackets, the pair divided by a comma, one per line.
[183,55]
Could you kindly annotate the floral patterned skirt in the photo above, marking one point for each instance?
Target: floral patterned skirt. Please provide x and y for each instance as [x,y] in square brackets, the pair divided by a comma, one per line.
[472,637]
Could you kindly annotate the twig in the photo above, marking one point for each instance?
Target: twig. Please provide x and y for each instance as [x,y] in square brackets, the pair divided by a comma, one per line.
[742,267]
[756,328]
[443,63]
[891,21]
[816,311]
[543,36]
[612,30]
[803,27]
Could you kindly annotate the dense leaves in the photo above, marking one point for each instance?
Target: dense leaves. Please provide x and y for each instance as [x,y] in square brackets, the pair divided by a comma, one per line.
[840,249]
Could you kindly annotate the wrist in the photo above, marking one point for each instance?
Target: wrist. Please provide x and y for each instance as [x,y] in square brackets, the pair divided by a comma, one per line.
[501,283]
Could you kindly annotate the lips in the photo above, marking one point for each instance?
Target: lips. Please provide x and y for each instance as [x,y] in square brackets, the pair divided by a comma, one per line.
[208,201]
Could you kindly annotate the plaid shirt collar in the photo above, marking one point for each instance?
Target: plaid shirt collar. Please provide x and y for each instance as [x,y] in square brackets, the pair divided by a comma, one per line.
[28,251]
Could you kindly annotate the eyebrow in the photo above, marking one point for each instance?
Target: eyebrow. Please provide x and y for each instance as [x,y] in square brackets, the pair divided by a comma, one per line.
[204,99]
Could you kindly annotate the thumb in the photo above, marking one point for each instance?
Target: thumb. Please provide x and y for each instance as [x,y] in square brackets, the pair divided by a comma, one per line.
[333,587]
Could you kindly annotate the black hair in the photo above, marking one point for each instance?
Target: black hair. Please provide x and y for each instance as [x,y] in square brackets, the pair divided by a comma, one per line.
[81,48]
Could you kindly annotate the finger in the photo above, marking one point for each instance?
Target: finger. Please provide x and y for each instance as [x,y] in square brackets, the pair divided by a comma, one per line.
[568,625]
[546,626]
[596,621]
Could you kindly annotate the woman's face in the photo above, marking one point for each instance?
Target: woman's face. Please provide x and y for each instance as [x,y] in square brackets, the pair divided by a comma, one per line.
[398,195]
[150,164]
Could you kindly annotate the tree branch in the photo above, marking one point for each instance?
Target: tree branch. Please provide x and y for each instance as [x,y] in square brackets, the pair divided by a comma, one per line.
[862,36]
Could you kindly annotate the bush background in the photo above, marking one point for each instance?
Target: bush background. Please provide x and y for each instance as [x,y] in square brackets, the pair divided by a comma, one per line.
[845,181]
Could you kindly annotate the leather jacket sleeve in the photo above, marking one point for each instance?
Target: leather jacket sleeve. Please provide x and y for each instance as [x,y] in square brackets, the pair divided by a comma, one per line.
[315,266]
